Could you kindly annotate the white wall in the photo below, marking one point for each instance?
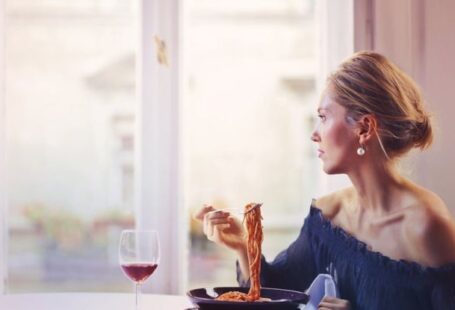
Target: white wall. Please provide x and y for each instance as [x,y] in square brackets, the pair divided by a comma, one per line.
[2,162]
[418,36]
[437,169]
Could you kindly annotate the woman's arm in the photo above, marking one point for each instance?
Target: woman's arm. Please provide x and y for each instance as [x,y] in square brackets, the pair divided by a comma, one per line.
[430,233]
[222,228]
[293,268]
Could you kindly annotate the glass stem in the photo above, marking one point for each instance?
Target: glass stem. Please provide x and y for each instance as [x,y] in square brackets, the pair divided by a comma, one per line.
[138,292]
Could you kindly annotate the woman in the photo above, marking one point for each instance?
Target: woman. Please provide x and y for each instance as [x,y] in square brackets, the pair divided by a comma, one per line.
[389,243]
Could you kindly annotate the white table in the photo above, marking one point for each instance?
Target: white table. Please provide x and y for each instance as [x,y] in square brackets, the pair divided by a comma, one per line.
[91,301]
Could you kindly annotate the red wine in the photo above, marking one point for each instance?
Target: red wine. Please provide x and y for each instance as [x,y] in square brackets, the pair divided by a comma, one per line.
[139,272]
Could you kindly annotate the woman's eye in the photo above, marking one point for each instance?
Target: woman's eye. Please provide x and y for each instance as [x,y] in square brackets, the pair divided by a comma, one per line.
[321,117]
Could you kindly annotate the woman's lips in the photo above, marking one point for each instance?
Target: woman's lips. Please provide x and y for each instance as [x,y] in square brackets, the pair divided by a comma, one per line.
[320,152]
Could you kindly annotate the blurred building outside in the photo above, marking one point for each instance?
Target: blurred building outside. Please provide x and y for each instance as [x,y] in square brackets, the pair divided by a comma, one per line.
[70,94]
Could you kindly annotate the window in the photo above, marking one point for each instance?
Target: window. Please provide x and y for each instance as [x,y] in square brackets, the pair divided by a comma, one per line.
[249,104]
[253,75]
[100,137]
[70,119]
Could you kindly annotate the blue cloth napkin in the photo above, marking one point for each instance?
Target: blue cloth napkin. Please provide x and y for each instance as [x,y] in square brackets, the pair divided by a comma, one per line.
[323,285]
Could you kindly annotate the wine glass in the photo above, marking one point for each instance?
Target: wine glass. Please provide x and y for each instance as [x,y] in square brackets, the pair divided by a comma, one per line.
[139,256]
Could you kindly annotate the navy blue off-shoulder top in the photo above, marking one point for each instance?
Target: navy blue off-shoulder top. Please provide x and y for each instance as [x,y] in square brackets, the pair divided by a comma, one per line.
[369,280]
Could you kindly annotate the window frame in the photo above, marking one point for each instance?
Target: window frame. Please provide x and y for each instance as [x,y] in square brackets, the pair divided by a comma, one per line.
[158,160]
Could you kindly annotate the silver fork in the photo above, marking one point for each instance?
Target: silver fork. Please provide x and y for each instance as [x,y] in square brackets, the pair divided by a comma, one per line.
[253,208]
[239,211]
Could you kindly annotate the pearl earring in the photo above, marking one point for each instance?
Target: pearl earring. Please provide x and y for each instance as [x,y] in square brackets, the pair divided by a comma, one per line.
[361,150]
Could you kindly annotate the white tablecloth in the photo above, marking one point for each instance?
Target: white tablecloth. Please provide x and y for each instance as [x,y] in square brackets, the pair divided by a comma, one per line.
[91,301]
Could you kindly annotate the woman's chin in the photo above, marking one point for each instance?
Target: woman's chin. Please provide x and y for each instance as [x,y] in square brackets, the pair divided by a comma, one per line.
[331,170]
[326,170]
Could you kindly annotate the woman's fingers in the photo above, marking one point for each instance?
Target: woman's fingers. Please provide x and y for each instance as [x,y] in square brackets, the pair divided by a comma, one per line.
[199,214]
[220,221]
[207,214]
[216,225]
[217,230]
[333,300]
[220,226]
[213,216]
[217,214]
[212,219]
[329,306]
[333,303]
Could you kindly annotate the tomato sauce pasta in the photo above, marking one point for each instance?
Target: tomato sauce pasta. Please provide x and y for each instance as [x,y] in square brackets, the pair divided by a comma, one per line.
[252,219]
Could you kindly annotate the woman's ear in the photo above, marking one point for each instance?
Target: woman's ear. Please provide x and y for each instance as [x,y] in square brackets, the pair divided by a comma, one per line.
[367,128]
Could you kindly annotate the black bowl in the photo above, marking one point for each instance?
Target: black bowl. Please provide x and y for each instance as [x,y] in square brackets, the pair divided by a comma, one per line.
[281,299]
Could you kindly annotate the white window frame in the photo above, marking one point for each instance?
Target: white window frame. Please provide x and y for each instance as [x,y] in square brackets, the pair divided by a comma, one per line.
[158,162]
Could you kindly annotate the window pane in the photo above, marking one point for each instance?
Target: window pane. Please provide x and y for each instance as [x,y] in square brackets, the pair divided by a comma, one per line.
[248,113]
[70,119]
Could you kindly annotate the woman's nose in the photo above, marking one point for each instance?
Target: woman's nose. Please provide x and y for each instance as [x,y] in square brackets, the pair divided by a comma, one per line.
[315,136]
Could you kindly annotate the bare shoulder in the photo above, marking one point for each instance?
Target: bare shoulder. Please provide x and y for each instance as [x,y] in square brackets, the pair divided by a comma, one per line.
[331,204]
[429,230]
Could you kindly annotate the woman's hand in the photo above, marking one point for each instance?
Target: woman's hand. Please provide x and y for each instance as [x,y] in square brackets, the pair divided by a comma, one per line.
[332,303]
[222,228]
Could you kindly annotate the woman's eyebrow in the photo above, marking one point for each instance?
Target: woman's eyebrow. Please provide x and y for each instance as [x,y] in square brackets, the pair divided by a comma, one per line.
[322,109]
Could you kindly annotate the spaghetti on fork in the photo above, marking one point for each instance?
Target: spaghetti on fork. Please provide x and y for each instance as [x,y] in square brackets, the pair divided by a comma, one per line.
[252,220]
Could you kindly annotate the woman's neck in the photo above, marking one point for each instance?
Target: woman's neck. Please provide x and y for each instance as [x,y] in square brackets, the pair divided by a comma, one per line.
[377,186]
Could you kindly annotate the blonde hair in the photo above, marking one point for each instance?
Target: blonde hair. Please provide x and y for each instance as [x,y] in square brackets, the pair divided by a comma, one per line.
[369,84]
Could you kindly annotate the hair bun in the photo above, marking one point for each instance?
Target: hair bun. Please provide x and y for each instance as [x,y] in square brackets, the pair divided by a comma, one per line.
[423,134]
